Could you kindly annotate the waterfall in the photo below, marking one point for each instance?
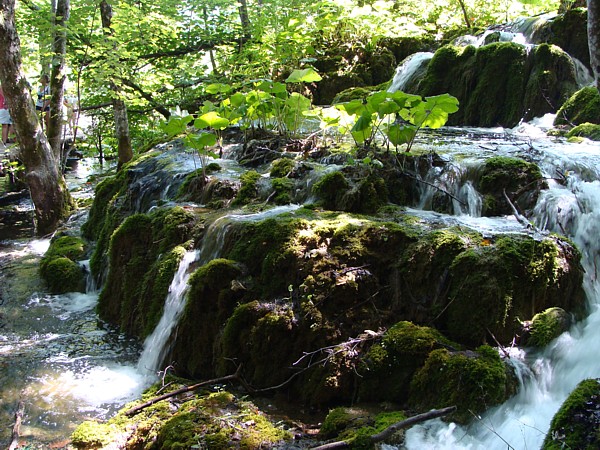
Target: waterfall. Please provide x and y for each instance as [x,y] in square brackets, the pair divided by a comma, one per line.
[547,376]
[411,68]
[155,345]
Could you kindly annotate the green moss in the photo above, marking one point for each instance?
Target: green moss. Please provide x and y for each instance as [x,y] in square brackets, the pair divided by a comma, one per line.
[63,275]
[283,190]
[577,424]
[248,189]
[587,130]
[520,180]
[92,434]
[471,381]
[389,366]
[59,268]
[282,167]
[582,107]
[331,188]
[548,325]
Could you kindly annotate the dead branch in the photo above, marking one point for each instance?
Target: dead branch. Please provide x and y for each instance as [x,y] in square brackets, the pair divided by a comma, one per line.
[234,377]
[443,191]
[520,218]
[389,431]
[17,426]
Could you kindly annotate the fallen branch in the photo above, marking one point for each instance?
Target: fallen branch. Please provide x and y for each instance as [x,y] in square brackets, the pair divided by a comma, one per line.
[442,190]
[17,426]
[236,376]
[389,431]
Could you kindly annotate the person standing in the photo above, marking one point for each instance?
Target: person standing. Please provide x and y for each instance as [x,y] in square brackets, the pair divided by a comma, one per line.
[43,99]
[5,118]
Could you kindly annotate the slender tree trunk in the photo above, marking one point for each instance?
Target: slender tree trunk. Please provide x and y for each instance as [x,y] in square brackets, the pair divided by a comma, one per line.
[465,14]
[594,38]
[245,20]
[49,193]
[125,151]
[57,77]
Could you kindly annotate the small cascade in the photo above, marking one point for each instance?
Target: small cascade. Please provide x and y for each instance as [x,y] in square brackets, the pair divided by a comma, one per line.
[549,375]
[155,344]
[411,69]
[90,283]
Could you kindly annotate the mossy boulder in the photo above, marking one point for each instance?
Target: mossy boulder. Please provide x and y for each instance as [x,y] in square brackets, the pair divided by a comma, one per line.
[60,268]
[356,425]
[143,259]
[217,420]
[522,182]
[502,83]
[361,195]
[586,130]
[495,285]
[582,107]
[215,289]
[577,422]
[389,365]
[569,32]
[471,381]
[546,326]
[282,167]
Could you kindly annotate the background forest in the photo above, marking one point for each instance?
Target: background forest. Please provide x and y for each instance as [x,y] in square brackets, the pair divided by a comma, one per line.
[162,55]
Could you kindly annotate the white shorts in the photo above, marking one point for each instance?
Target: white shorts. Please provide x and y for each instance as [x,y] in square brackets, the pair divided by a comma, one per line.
[5,117]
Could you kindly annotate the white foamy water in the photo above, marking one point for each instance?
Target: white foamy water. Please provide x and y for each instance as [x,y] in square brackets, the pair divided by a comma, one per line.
[572,209]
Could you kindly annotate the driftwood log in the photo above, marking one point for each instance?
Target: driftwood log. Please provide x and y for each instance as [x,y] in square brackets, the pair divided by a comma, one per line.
[234,377]
[14,444]
[383,435]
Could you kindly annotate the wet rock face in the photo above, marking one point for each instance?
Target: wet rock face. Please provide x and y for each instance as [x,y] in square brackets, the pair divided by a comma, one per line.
[577,422]
[502,83]
[506,180]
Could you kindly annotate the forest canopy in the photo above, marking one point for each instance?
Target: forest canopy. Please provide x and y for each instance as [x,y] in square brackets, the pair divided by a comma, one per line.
[164,54]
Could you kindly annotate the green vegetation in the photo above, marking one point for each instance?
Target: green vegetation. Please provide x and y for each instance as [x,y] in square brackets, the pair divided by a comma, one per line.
[582,107]
[576,424]
[59,267]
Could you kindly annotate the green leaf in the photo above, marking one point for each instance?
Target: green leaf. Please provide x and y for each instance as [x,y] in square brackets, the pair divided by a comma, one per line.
[212,120]
[433,113]
[217,88]
[201,140]
[303,76]
[400,134]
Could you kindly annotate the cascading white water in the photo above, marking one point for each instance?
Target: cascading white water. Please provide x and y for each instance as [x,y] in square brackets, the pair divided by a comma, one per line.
[408,69]
[155,344]
[549,375]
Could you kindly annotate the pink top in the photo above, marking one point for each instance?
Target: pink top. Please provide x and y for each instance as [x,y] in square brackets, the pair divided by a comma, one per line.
[2,102]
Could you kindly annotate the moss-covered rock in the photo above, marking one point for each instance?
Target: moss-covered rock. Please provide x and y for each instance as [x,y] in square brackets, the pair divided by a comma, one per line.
[248,188]
[546,326]
[364,195]
[471,381]
[520,180]
[587,130]
[583,106]
[577,423]
[495,285]
[143,259]
[500,83]
[389,365]
[216,420]
[355,426]
[59,266]
[282,167]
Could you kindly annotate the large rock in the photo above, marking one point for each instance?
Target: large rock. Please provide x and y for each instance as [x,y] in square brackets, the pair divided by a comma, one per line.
[501,84]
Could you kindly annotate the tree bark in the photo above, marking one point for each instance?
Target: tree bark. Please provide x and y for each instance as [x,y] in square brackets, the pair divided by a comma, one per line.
[125,151]
[51,199]
[594,39]
[59,50]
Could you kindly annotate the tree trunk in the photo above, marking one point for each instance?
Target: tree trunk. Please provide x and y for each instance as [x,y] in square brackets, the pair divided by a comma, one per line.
[245,20]
[594,38]
[125,151]
[57,79]
[47,187]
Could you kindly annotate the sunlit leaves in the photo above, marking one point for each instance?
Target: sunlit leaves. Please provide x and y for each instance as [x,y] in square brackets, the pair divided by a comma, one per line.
[303,76]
